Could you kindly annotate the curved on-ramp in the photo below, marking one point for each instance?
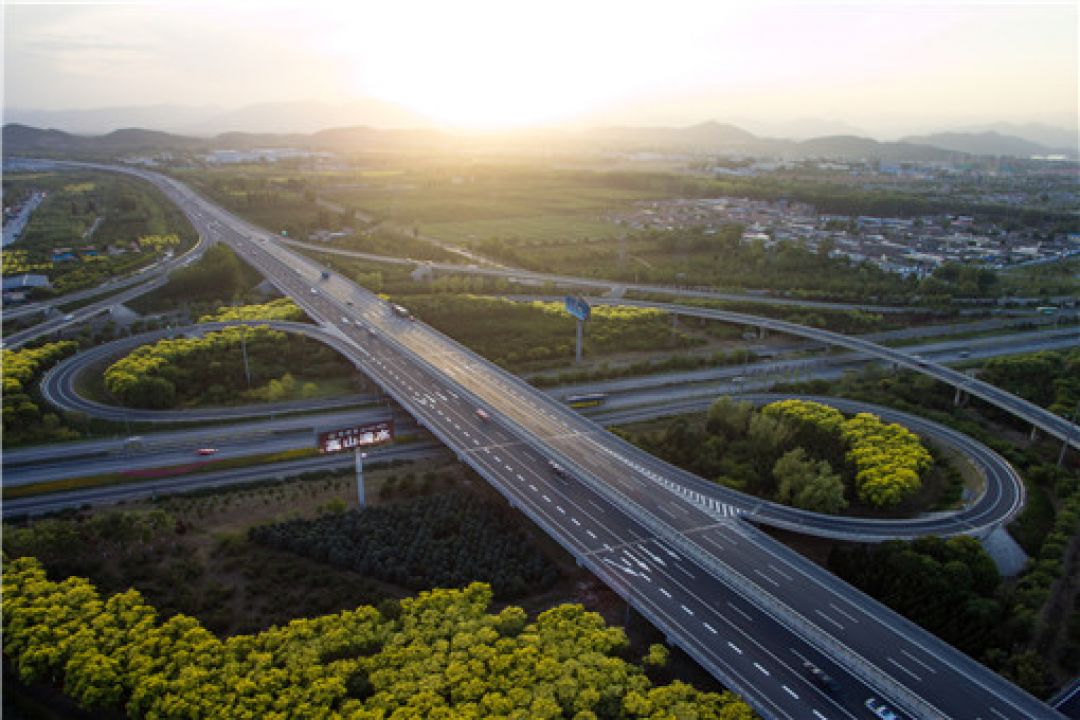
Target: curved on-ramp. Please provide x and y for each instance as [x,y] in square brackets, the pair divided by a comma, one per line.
[60,385]
[1001,499]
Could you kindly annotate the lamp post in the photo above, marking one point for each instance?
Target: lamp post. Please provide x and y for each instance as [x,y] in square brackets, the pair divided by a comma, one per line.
[360,500]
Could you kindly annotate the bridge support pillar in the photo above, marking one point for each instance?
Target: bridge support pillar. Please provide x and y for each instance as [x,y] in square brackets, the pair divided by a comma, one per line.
[761,332]
[580,333]
[960,398]
[1034,434]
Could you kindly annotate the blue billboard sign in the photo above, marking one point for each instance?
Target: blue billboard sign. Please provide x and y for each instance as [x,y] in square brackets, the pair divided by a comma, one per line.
[577,307]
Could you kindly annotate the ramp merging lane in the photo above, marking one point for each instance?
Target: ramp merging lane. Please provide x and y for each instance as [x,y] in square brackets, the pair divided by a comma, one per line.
[746,608]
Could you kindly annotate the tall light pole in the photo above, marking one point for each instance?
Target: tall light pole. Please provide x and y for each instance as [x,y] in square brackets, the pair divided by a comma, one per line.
[360,500]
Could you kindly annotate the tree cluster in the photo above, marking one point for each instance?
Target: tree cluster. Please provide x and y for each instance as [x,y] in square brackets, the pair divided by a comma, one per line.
[439,655]
[888,459]
[212,367]
[22,417]
[446,540]
[804,454]
[218,275]
[1050,378]
[952,588]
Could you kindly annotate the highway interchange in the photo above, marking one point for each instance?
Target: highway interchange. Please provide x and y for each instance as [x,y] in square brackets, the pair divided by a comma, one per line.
[746,608]
[1002,498]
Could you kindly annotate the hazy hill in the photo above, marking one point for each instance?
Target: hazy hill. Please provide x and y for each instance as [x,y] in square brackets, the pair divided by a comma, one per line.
[985,143]
[709,137]
[1046,135]
[275,118]
[21,139]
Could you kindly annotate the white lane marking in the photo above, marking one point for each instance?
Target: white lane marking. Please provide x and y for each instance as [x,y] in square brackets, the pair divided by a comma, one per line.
[734,647]
[522,479]
[575,521]
[546,498]
[594,505]
[765,577]
[487,451]
[498,459]
[591,534]
[740,611]
[829,619]
[508,468]
[763,670]
[666,593]
[790,692]
[685,571]
[841,611]
[780,572]
[687,610]
[560,509]
[903,668]
[533,487]
[819,716]
[917,661]
[710,628]
[668,550]
[998,713]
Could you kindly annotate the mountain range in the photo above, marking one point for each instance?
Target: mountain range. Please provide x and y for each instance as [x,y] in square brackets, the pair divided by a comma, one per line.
[703,138]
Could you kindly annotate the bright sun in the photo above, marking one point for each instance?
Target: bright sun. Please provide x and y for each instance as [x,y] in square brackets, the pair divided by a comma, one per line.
[495,65]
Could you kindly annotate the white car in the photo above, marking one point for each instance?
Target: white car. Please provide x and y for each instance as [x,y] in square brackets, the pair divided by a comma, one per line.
[345,320]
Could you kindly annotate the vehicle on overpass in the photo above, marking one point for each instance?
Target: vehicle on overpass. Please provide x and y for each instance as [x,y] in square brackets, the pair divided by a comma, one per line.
[587,400]
[401,311]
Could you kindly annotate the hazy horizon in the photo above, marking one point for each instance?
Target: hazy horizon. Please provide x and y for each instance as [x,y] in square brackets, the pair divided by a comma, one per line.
[885,69]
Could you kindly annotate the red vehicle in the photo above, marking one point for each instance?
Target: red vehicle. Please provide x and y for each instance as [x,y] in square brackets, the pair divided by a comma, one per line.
[206,451]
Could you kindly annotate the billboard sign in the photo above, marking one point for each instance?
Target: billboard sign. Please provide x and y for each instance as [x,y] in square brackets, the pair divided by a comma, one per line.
[577,307]
[356,436]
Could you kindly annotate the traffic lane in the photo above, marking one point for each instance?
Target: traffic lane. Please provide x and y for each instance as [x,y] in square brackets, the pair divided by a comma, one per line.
[897,648]
[136,490]
[759,655]
[758,571]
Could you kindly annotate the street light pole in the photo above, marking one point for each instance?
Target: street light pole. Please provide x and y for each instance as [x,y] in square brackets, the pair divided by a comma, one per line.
[360,499]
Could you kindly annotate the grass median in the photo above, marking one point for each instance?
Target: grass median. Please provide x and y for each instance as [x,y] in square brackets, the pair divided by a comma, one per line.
[156,473]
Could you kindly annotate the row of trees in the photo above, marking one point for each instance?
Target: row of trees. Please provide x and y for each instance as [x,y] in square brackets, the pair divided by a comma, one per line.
[888,459]
[280,309]
[443,540]
[538,334]
[23,420]
[217,367]
[439,655]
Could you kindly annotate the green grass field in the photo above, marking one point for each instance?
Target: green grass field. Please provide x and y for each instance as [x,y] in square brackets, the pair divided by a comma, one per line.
[536,228]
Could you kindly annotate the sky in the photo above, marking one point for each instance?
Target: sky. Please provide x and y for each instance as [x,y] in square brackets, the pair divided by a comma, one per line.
[881,66]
